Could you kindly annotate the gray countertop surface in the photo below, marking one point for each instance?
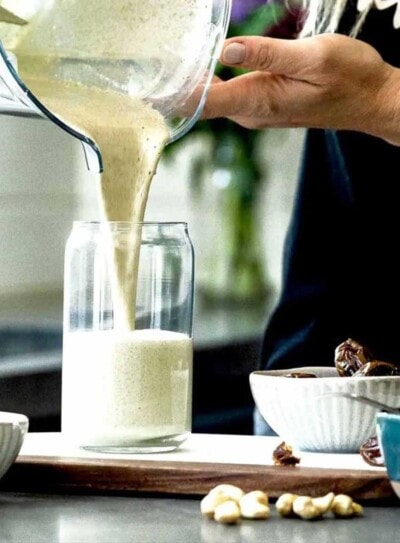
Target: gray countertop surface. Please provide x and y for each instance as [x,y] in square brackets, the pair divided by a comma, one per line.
[42,518]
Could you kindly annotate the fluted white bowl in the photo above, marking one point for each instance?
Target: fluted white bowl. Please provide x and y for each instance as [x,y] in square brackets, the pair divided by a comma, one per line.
[13,428]
[302,413]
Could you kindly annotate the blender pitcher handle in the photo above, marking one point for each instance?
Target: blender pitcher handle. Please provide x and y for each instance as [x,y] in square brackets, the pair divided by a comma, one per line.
[16,99]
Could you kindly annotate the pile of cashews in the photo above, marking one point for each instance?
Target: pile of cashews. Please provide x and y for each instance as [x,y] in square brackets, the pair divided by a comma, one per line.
[228,504]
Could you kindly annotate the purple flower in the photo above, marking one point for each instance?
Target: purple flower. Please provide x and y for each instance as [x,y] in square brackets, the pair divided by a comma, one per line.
[242,8]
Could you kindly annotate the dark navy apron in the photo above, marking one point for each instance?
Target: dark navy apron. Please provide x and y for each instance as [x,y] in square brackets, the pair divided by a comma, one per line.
[341,269]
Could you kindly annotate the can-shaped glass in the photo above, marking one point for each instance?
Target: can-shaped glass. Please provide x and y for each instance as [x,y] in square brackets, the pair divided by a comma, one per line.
[127,338]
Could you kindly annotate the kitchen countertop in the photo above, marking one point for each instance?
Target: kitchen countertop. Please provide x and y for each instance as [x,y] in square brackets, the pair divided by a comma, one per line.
[83,515]
[44,518]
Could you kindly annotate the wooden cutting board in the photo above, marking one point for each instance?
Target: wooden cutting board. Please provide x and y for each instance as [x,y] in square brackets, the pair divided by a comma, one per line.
[47,463]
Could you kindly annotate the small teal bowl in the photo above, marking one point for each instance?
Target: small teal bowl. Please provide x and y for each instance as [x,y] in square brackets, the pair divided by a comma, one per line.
[388,431]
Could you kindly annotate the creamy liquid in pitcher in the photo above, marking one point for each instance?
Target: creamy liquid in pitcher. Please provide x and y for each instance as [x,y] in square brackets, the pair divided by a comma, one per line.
[120,387]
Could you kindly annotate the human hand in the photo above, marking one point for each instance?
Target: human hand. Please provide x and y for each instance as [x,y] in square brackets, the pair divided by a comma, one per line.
[326,81]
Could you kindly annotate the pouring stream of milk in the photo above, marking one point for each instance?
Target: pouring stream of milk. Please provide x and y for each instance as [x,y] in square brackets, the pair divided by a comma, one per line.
[131,136]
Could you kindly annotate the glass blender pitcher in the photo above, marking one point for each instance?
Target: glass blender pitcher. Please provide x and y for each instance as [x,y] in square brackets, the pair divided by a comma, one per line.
[163,52]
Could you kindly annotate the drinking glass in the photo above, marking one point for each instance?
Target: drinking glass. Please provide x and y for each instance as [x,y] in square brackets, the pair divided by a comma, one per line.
[127,341]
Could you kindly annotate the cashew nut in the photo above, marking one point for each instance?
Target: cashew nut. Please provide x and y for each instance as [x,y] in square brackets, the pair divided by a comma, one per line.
[231,491]
[209,503]
[284,504]
[358,510]
[254,505]
[344,506]
[227,512]
[324,503]
[217,496]
[304,508]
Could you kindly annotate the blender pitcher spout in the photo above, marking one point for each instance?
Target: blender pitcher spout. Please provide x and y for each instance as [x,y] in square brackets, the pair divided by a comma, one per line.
[17,100]
[7,16]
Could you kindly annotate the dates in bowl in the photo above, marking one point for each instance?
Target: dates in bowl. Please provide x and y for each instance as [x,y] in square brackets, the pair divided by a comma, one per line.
[355,360]
[297,402]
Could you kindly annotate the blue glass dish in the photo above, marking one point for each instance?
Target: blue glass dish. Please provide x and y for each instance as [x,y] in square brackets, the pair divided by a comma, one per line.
[388,431]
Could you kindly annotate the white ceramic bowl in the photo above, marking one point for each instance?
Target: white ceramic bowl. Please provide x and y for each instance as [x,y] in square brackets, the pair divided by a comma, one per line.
[301,414]
[13,428]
